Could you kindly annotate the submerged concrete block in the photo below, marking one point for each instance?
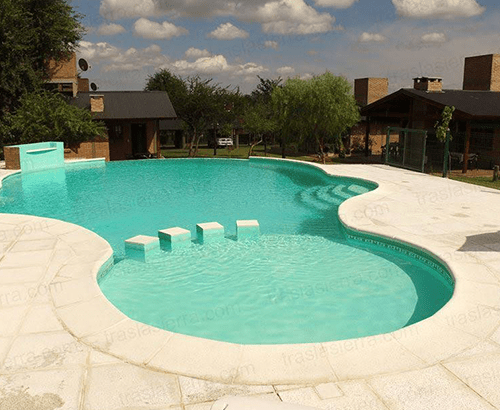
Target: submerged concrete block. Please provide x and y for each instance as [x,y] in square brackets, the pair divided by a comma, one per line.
[209,232]
[247,229]
[174,238]
[142,247]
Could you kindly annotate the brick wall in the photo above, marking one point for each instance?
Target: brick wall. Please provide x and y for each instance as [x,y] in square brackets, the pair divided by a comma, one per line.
[96,103]
[63,69]
[378,134]
[11,155]
[428,84]
[482,73]
[99,148]
[368,90]
[83,85]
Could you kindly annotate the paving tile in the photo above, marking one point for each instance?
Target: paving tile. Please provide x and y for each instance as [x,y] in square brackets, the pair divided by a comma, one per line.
[305,396]
[90,317]
[482,348]
[356,395]
[328,390]
[433,341]
[125,386]
[280,364]
[45,350]
[21,275]
[4,348]
[431,389]
[133,341]
[197,390]
[11,320]
[202,358]
[480,373]
[98,358]
[34,245]
[75,271]
[17,294]
[285,387]
[40,319]
[200,406]
[364,357]
[42,390]
[74,291]
[24,259]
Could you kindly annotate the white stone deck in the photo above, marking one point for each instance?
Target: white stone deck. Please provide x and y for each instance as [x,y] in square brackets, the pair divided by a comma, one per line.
[64,346]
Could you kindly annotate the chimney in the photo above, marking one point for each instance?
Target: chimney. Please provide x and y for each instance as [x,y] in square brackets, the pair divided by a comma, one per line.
[368,90]
[83,85]
[482,73]
[97,103]
[428,84]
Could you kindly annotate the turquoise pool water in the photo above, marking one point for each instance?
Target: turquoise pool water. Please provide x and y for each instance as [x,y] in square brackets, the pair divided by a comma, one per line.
[303,281]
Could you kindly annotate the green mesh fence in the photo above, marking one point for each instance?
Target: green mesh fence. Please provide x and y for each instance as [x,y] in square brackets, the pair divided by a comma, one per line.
[405,148]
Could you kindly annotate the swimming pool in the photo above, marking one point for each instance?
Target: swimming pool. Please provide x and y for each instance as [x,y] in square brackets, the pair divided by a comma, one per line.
[305,272]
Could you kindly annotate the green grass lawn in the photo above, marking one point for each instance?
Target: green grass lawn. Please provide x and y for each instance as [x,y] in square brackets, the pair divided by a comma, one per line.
[241,152]
[483,181]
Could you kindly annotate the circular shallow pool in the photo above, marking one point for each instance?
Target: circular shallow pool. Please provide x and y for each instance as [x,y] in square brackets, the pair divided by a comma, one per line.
[303,281]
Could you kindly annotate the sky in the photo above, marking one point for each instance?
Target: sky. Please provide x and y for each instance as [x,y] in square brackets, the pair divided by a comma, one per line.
[233,42]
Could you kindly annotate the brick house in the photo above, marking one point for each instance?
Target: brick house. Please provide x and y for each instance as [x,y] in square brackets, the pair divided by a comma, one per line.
[475,126]
[367,91]
[131,117]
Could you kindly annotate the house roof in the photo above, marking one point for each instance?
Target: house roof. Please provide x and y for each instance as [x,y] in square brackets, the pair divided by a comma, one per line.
[129,104]
[469,103]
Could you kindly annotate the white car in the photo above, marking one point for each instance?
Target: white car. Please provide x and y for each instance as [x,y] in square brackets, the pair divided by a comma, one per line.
[224,142]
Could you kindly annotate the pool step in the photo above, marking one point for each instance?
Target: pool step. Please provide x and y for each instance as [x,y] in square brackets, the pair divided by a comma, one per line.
[141,247]
[174,238]
[209,232]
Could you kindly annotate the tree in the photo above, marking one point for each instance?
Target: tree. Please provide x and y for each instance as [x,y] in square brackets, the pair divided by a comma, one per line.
[200,103]
[264,89]
[318,109]
[46,116]
[259,122]
[31,33]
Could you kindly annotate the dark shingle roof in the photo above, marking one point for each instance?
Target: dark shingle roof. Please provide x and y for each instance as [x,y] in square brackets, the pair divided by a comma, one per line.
[475,103]
[470,103]
[129,104]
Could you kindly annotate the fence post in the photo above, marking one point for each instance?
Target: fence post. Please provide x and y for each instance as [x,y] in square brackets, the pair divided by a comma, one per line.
[387,142]
[424,153]
[446,158]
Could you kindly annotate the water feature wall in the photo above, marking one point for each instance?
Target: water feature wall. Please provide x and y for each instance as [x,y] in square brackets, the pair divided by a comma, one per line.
[34,157]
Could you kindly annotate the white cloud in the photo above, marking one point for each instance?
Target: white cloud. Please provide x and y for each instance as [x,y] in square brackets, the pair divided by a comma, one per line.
[434,38]
[338,4]
[275,16]
[195,53]
[445,9]
[118,9]
[227,31]
[150,29]
[291,17]
[214,65]
[110,29]
[271,44]
[371,37]
[115,59]
[285,70]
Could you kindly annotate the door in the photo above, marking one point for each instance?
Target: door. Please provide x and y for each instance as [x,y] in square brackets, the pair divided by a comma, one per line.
[139,143]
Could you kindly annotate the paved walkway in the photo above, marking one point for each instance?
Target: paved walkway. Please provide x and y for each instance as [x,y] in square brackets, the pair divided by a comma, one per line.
[59,349]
